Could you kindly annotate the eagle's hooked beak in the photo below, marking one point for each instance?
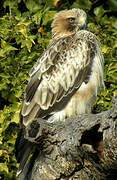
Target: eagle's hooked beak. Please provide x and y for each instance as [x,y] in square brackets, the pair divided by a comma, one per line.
[83,25]
[81,22]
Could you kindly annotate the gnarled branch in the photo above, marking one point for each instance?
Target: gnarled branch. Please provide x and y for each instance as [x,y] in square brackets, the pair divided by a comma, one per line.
[83,147]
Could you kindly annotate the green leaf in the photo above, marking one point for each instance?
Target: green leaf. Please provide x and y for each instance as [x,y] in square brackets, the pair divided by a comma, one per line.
[27,43]
[48,17]
[99,11]
[85,4]
[112,5]
[4,167]
[33,6]
[37,17]
[10,48]
[105,48]
[3,43]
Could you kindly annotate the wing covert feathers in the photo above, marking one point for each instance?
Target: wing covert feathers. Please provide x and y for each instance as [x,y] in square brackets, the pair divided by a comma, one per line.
[58,73]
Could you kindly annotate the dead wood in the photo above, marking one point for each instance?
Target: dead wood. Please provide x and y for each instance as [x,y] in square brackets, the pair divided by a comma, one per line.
[81,148]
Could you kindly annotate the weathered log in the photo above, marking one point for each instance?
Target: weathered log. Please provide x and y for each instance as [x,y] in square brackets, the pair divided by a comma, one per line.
[83,148]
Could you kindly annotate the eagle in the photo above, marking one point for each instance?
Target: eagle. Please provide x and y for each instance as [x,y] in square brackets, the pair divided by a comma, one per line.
[66,78]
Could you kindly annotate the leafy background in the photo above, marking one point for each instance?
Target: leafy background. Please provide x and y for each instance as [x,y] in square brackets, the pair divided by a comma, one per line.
[25,27]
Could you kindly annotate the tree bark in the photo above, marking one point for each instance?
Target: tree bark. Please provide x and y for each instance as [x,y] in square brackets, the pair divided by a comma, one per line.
[82,147]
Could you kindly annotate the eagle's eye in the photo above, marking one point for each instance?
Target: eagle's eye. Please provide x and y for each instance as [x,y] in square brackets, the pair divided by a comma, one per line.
[71,19]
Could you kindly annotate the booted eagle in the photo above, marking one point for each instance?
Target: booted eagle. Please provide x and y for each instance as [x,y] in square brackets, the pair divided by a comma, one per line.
[65,80]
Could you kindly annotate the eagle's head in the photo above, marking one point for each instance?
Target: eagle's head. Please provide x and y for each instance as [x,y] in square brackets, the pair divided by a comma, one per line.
[67,22]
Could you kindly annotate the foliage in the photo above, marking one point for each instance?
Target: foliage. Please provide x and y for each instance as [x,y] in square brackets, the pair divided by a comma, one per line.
[24,34]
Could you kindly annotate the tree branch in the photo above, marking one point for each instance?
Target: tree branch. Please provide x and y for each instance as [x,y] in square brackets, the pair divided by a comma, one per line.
[83,147]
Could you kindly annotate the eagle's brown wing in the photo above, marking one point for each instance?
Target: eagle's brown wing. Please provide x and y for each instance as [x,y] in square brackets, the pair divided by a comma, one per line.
[58,74]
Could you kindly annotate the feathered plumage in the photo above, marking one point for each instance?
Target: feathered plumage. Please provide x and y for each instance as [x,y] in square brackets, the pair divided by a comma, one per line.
[68,64]
[66,78]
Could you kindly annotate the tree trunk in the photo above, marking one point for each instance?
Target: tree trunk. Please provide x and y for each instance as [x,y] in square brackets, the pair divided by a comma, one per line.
[83,148]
